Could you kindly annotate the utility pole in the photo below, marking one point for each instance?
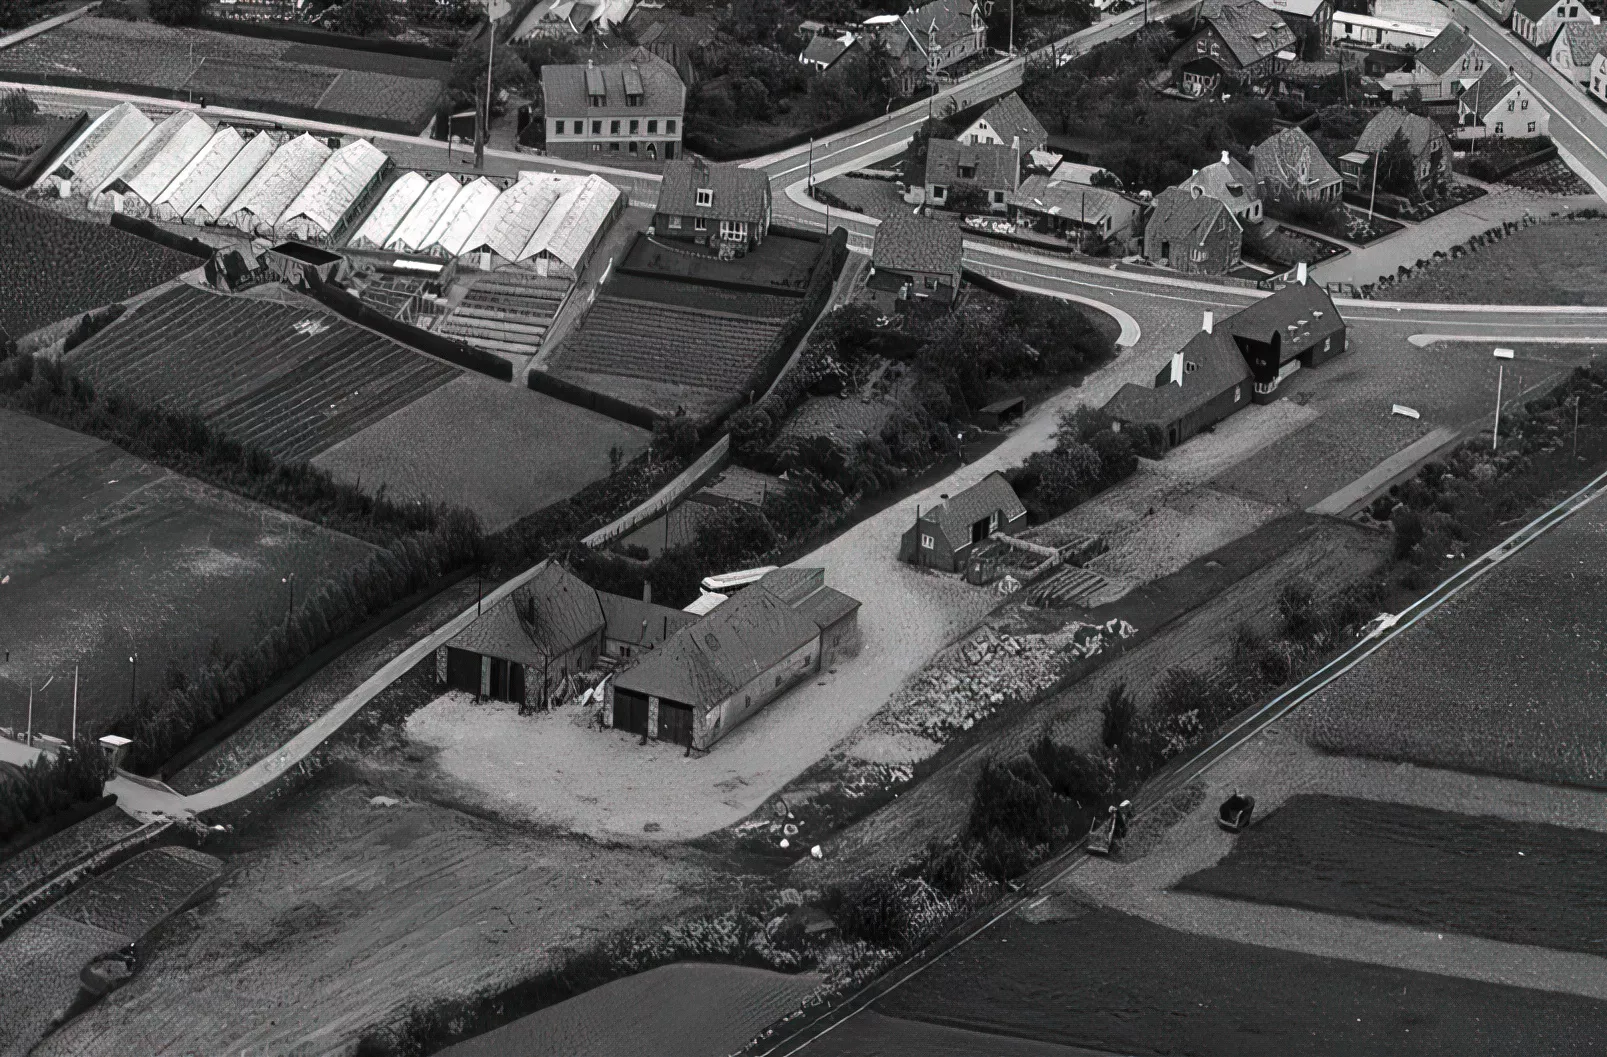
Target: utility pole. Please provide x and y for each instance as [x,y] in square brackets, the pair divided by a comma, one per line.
[133,679]
[1500,372]
[29,740]
[1576,423]
[75,677]
[1374,192]
[289,581]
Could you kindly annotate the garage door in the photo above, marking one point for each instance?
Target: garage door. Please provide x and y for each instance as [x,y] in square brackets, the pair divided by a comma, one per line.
[462,670]
[674,723]
[630,711]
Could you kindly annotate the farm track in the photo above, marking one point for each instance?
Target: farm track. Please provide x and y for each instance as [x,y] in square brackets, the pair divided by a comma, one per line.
[292,381]
[1039,885]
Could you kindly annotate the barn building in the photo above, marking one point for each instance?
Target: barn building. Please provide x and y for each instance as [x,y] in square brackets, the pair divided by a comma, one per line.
[711,676]
[1240,360]
[944,536]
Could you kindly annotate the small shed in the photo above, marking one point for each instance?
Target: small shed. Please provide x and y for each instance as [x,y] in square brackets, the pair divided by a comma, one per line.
[304,266]
[1002,412]
[115,749]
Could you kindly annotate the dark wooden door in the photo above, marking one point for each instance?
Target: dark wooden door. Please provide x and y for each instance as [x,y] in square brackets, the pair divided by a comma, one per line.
[516,683]
[674,723]
[462,670]
[630,711]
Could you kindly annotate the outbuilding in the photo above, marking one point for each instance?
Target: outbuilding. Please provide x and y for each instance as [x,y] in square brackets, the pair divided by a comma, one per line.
[943,537]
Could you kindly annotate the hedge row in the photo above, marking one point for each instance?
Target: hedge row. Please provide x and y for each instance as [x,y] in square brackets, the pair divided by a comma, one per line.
[50,785]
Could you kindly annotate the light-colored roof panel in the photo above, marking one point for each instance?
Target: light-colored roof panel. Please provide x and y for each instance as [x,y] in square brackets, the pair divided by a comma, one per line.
[197,175]
[507,226]
[86,142]
[277,183]
[120,137]
[415,228]
[400,197]
[240,171]
[165,150]
[344,175]
[451,233]
[573,230]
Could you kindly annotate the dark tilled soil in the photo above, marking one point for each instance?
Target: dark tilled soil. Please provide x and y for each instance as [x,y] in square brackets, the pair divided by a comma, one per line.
[1115,982]
[1484,876]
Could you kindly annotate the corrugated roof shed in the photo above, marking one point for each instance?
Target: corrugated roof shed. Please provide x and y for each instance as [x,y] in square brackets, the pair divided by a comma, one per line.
[207,165]
[276,185]
[507,225]
[72,159]
[240,171]
[117,138]
[399,198]
[450,233]
[410,235]
[318,208]
[160,156]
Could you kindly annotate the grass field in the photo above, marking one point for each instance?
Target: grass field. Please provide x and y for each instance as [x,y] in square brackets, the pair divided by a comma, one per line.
[289,378]
[108,556]
[778,262]
[1120,984]
[52,267]
[501,450]
[1435,870]
[1548,264]
[1503,679]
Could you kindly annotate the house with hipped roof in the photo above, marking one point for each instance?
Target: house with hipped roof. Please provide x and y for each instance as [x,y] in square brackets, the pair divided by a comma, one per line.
[1500,106]
[914,259]
[1232,363]
[1575,49]
[951,166]
[1232,184]
[944,536]
[1425,141]
[1290,172]
[1235,40]
[1190,231]
[711,676]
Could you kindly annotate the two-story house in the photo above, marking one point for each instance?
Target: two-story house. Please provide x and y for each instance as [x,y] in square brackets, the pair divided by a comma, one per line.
[1500,105]
[1538,22]
[1231,184]
[713,204]
[914,259]
[924,41]
[1237,40]
[1308,19]
[1574,50]
[1450,63]
[952,166]
[1007,122]
[1427,142]
[1291,173]
[1189,231]
[625,114]
[1598,74]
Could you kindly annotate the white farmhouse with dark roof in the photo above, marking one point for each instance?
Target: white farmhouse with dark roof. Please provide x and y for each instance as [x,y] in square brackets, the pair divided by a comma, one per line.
[1009,123]
[1500,105]
[1538,22]
[625,114]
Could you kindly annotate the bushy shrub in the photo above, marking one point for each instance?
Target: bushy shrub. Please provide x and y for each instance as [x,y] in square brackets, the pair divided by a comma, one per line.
[1013,799]
[1117,716]
[872,910]
[178,12]
[50,785]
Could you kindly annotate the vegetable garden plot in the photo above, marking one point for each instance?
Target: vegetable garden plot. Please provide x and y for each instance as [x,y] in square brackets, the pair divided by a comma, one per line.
[297,85]
[1517,882]
[366,94]
[370,61]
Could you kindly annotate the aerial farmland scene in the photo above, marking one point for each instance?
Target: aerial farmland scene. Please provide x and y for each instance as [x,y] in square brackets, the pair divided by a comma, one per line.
[754,528]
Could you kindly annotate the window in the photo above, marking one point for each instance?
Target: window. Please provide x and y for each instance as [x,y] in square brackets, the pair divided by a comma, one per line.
[1524,105]
[1236,393]
[558,128]
[926,543]
[1531,128]
[613,127]
[669,126]
[967,172]
[1327,343]
[635,125]
[596,128]
[1499,130]
[652,150]
[614,147]
[705,196]
[596,148]
[1511,106]
[998,198]
[633,100]
[931,283]
[1464,62]
[699,224]
[652,126]
[938,191]
[675,222]
[1199,255]
[778,680]
[633,146]
[993,521]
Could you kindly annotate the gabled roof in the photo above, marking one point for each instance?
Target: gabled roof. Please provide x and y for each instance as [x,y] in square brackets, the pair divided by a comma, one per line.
[823,51]
[1302,8]
[412,234]
[1184,217]
[196,176]
[996,164]
[1582,41]
[278,182]
[345,174]
[160,156]
[643,623]
[1075,201]
[1445,50]
[954,517]
[706,663]
[572,224]
[242,168]
[104,150]
[566,89]
[452,230]
[551,613]
[1290,159]
[1226,180]
[946,20]
[1011,118]
[506,227]
[827,606]
[792,584]
[1421,133]
[1533,10]
[1494,85]
[918,244]
[1212,363]
[399,198]
[1250,31]
[1300,311]
[739,194]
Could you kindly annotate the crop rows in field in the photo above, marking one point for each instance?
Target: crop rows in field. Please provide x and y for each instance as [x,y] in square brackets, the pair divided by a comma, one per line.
[369,61]
[52,267]
[257,80]
[294,381]
[380,95]
[142,892]
[667,343]
[711,298]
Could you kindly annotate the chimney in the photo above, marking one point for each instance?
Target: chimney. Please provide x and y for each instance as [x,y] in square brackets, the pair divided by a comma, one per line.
[1225,158]
[1300,273]
[1209,319]
[647,591]
[1177,367]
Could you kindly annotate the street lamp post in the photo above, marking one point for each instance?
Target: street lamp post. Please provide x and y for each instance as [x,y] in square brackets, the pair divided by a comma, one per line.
[133,679]
[289,580]
[1500,372]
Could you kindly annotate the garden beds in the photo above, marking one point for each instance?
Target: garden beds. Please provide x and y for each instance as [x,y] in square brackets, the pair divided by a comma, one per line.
[1517,882]
[1285,247]
[1399,208]
[1351,225]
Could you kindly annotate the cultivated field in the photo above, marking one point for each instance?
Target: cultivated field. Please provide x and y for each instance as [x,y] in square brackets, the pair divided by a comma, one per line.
[1432,870]
[52,267]
[1503,679]
[292,380]
[236,70]
[39,862]
[339,914]
[110,556]
[141,893]
[1548,264]
[1117,983]
[500,450]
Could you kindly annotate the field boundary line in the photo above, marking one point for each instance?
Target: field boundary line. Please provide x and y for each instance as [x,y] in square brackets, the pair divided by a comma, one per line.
[706,466]
[28,32]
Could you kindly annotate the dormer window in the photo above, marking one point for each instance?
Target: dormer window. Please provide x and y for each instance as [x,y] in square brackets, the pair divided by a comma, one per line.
[967,172]
[596,90]
[705,196]
[633,86]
